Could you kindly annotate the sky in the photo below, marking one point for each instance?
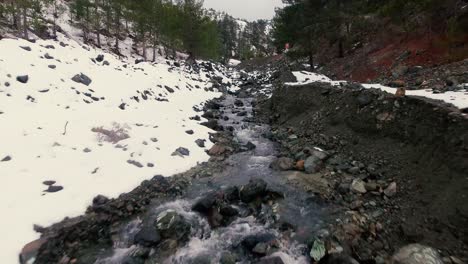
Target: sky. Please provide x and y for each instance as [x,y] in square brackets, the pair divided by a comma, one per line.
[247,9]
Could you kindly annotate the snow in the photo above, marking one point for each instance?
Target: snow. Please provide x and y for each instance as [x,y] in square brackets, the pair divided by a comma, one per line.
[305,77]
[457,98]
[234,62]
[81,160]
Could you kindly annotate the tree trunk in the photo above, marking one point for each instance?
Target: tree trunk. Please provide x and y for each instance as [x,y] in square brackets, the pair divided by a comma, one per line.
[143,44]
[25,23]
[154,53]
[340,48]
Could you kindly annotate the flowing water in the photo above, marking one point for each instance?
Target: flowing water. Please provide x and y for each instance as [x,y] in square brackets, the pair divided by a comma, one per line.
[296,208]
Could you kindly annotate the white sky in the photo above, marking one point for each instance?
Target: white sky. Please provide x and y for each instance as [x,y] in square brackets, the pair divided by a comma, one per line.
[247,9]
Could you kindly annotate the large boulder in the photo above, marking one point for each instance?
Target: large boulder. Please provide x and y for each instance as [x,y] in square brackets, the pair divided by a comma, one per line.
[170,224]
[148,236]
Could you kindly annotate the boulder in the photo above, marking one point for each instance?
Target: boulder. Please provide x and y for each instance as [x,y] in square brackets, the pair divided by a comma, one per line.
[200,143]
[148,236]
[173,225]
[255,188]
[181,152]
[217,150]
[391,190]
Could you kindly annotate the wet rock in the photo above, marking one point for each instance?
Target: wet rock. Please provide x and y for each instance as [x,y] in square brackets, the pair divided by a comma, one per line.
[358,186]
[232,194]
[227,258]
[181,152]
[255,188]
[251,241]
[416,254]
[148,236]
[250,146]
[5,159]
[29,251]
[260,249]
[391,190]
[172,225]
[22,78]
[313,164]
[228,211]
[205,204]
[282,164]
[200,143]
[238,103]
[338,259]
[271,260]
[82,78]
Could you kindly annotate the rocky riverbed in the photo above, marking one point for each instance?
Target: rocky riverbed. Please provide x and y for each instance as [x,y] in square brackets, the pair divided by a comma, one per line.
[314,174]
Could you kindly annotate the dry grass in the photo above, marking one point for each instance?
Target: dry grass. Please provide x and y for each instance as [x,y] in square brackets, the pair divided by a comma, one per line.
[115,134]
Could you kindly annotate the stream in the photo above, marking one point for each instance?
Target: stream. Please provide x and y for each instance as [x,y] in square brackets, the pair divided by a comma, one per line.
[227,243]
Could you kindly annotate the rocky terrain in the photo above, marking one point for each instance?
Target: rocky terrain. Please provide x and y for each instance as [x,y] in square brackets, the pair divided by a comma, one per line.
[343,175]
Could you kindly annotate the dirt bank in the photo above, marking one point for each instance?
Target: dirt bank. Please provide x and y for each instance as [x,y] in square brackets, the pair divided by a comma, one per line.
[421,145]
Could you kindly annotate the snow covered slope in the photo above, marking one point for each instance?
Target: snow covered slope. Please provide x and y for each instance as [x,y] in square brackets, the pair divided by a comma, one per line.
[457,98]
[64,141]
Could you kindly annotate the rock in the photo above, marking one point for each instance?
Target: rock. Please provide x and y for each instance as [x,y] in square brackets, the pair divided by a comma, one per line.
[271,260]
[148,236]
[300,165]
[313,164]
[138,61]
[29,251]
[416,254]
[169,89]
[232,194]
[53,189]
[22,78]
[48,183]
[251,241]
[250,146]
[82,78]
[322,155]
[100,200]
[364,99]
[227,258]
[172,225]
[371,186]
[26,48]
[48,57]
[86,150]
[5,159]
[205,204]
[282,164]
[318,250]
[200,143]
[190,132]
[255,188]
[238,103]
[260,249]
[100,58]
[181,152]
[135,163]
[391,190]
[358,186]
[217,150]
[339,259]
[49,47]
[52,66]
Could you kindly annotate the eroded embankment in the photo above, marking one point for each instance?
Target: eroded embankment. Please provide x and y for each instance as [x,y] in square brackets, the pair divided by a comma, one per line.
[421,145]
